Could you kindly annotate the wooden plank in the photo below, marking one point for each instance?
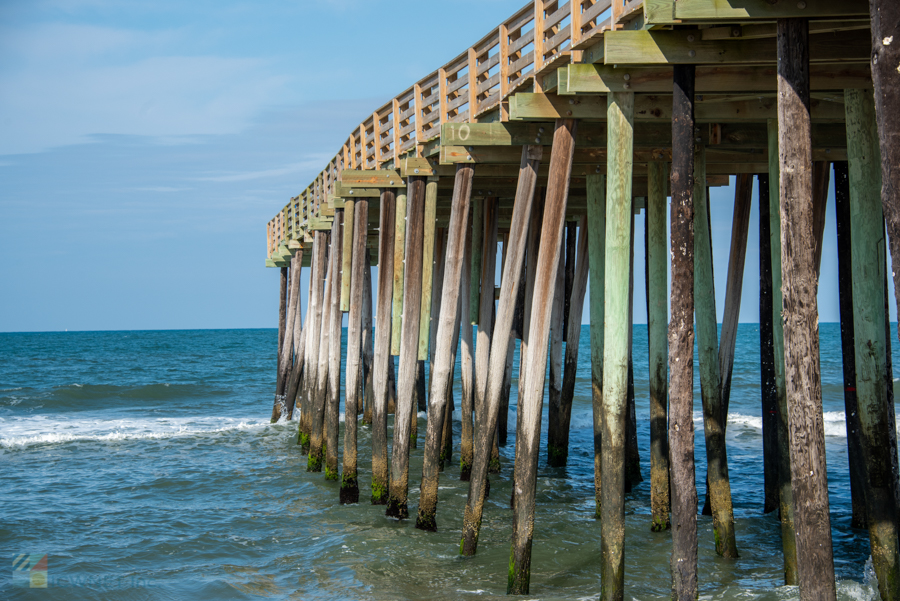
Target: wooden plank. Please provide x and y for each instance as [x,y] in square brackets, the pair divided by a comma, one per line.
[355,178]
[601,79]
[656,47]
[447,335]
[657,108]
[800,315]
[875,408]
[667,12]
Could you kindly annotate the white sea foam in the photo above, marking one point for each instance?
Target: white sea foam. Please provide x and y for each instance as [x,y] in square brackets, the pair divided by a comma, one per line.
[834,421]
[23,432]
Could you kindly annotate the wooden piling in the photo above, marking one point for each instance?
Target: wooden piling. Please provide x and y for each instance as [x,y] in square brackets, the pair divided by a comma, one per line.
[596,213]
[467,362]
[657,321]
[768,386]
[569,274]
[503,417]
[710,383]
[409,351]
[282,318]
[509,288]
[785,494]
[740,227]
[560,436]
[532,247]
[347,228]
[884,19]
[382,337]
[286,321]
[368,345]
[486,305]
[358,232]
[528,436]
[313,338]
[875,408]
[803,384]
[319,393]
[633,475]
[332,411]
[400,222]
[477,250]
[681,341]
[620,132]
[556,360]
[446,339]
[848,351]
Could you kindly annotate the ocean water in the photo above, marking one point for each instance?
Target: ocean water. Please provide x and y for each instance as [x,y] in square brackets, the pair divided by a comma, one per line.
[144,466]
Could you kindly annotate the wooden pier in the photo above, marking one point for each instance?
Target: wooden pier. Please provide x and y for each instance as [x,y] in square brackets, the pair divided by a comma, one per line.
[549,134]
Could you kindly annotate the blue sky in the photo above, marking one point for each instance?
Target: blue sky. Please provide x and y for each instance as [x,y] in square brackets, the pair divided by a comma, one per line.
[144,146]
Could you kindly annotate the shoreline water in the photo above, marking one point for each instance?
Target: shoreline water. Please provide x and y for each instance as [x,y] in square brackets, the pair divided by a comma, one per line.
[160,464]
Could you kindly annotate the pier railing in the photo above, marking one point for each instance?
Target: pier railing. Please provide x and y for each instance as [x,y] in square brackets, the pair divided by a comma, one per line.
[473,87]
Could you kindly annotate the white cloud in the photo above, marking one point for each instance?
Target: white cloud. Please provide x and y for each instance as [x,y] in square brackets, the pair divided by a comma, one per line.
[61,83]
[242,176]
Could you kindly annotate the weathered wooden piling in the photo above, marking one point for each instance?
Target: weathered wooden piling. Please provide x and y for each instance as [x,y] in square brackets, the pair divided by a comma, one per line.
[803,385]
[569,274]
[485,309]
[333,400]
[848,350]
[558,430]
[785,493]
[467,361]
[681,341]
[380,478]
[740,227]
[286,322]
[349,484]
[533,243]
[509,288]
[768,386]
[310,367]
[556,360]
[409,351]
[875,407]
[596,214]
[446,340]
[710,382]
[401,215]
[368,345]
[633,475]
[884,19]
[619,142]
[296,367]
[528,436]
[320,391]
[657,322]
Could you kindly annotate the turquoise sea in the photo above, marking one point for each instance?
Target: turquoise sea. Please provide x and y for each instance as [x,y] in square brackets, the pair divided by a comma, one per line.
[143,465]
